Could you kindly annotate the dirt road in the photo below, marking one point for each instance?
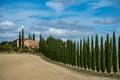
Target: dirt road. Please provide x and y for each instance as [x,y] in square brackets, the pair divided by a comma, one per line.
[31,67]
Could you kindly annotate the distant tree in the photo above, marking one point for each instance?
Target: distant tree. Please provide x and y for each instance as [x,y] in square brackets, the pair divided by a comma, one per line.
[5,46]
[81,54]
[40,43]
[114,54]
[102,56]
[84,54]
[88,55]
[29,36]
[93,55]
[22,38]
[78,55]
[97,54]
[33,36]
[19,40]
[74,58]
[119,51]
[108,55]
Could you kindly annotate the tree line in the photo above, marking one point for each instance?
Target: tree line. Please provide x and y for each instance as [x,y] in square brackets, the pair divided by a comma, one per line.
[101,55]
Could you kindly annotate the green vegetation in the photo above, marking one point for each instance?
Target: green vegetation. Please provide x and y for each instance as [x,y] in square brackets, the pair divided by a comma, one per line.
[19,40]
[88,55]
[81,54]
[102,56]
[5,46]
[114,54]
[98,57]
[108,55]
[93,55]
[22,38]
[97,54]
[33,36]
[119,52]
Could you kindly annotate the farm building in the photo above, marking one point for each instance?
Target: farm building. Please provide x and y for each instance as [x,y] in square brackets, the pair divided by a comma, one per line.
[27,42]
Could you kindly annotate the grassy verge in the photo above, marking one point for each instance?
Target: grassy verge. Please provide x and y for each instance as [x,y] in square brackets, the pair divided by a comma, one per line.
[79,70]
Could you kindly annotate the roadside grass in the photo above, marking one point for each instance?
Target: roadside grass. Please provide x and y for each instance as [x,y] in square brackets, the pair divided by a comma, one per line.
[82,70]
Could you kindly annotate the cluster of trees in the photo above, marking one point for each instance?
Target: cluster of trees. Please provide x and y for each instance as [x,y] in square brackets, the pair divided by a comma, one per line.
[31,37]
[5,46]
[100,56]
[21,39]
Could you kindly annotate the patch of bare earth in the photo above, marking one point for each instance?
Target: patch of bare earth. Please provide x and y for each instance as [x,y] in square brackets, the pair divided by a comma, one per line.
[31,67]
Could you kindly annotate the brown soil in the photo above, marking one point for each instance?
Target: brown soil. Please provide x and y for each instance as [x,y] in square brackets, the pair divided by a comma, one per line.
[31,67]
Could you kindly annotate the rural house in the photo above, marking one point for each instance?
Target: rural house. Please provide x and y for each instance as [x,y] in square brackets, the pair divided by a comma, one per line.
[27,42]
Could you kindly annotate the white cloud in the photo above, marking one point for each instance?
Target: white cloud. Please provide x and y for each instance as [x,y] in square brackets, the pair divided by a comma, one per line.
[54,31]
[22,26]
[107,20]
[36,32]
[57,6]
[9,29]
[67,33]
[8,35]
[101,3]
[7,23]
[69,2]
[64,39]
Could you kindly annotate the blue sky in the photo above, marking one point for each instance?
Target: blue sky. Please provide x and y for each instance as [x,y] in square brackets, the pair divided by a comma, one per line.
[64,19]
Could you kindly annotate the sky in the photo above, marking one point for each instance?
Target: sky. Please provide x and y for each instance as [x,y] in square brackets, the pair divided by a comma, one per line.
[64,19]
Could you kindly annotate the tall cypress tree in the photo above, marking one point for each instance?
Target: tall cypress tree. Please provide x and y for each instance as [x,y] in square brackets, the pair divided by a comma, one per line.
[33,36]
[119,51]
[108,55]
[84,55]
[81,54]
[88,55]
[114,54]
[102,56]
[29,36]
[19,40]
[78,55]
[97,54]
[93,55]
[74,54]
[40,43]
[22,38]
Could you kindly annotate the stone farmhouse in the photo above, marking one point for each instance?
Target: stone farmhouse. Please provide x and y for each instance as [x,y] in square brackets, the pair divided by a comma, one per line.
[27,42]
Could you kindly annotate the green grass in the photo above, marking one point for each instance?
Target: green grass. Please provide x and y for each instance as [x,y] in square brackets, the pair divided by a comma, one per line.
[79,70]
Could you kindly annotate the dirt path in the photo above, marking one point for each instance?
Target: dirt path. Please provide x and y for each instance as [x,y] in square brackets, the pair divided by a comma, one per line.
[31,67]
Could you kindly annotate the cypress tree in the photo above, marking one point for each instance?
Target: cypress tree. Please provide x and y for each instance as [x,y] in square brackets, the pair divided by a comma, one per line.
[33,36]
[93,55]
[111,50]
[29,36]
[40,43]
[19,40]
[78,55]
[22,38]
[81,54]
[108,55]
[84,55]
[97,54]
[102,56]
[119,51]
[74,54]
[114,54]
[88,55]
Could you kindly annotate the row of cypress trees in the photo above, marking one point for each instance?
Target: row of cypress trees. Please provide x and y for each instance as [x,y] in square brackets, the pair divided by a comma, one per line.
[88,54]
[31,37]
